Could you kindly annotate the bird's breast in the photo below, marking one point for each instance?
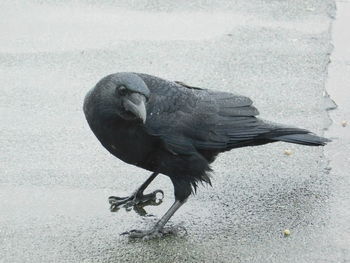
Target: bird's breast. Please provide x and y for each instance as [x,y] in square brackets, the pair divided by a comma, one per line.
[130,143]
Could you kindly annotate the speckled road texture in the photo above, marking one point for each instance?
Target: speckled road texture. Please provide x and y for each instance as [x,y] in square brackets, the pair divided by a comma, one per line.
[56,177]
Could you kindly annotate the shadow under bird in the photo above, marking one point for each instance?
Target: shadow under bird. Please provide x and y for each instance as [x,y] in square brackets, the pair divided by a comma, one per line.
[177,130]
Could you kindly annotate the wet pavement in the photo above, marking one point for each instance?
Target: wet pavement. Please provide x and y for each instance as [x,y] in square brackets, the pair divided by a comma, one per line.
[56,177]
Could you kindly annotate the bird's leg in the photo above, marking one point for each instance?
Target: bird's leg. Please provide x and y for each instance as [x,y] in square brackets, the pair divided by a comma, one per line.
[137,198]
[157,230]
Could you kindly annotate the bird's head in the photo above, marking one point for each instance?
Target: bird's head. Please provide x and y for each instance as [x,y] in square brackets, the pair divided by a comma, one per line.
[122,94]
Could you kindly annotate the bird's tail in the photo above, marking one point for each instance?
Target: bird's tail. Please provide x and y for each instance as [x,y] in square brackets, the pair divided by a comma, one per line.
[303,138]
[279,132]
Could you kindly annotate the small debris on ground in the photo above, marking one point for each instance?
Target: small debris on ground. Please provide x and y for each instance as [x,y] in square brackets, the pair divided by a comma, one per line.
[288,152]
[286,232]
[344,123]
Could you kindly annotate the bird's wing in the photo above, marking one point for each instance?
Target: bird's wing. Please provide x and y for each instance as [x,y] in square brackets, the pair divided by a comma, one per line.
[186,85]
[190,119]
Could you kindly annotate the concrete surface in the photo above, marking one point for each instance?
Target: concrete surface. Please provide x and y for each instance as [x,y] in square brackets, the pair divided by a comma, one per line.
[338,86]
[56,177]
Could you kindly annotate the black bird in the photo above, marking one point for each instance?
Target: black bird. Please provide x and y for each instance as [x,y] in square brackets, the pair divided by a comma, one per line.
[177,130]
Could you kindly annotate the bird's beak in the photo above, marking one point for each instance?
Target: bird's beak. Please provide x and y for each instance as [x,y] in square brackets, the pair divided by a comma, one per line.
[135,103]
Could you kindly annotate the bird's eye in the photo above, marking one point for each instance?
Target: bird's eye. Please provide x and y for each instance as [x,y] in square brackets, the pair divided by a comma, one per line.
[122,90]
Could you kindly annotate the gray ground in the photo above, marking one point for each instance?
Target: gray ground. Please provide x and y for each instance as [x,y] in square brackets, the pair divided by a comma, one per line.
[56,177]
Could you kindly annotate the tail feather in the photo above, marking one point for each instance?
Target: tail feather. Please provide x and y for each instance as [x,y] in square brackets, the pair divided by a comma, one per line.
[303,138]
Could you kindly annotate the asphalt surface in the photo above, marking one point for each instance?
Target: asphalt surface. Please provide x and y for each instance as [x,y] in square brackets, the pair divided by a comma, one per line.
[338,152]
[56,177]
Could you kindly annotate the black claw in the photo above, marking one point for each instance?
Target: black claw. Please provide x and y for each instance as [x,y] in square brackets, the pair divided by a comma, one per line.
[114,198]
[114,208]
[155,233]
[136,201]
[118,200]
[130,232]
[145,234]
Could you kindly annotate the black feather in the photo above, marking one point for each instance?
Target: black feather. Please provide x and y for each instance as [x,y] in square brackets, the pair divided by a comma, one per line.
[304,139]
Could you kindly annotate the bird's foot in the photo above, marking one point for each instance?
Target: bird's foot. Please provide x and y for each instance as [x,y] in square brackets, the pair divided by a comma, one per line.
[144,234]
[136,199]
[154,233]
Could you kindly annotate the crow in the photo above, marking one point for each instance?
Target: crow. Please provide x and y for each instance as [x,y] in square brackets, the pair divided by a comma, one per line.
[175,129]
